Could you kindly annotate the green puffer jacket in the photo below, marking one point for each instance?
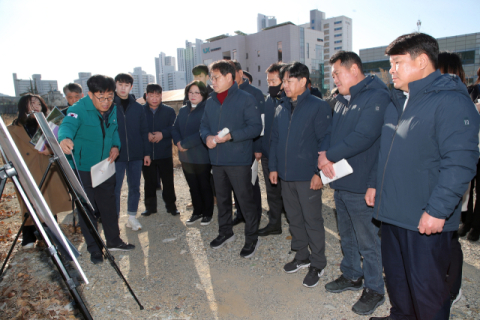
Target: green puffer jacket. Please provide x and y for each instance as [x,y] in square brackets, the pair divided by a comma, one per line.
[91,136]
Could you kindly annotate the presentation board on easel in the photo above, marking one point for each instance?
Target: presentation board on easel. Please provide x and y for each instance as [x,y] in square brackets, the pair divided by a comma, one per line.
[33,194]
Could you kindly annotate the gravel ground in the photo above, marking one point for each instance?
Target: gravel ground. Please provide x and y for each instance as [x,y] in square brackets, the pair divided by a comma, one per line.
[176,275]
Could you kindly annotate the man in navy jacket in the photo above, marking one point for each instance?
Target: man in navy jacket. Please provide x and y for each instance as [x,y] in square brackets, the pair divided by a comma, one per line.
[354,135]
[428,155]
[133,132]
[274,192]
[301,121]
[160,120]
[244,85]
[231,155]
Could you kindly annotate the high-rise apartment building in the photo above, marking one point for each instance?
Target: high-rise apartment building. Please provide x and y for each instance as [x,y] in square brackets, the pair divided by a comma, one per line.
[189,57]
[82,80]
[171,79]
[36,84]
[264,21]
[140,81]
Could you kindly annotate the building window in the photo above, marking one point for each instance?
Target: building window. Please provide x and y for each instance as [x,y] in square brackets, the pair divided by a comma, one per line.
[308,50]
[337,22]
[279,51]
[326,57]
[325,26]
[326,51]
[326,32]
[247,56]
[258,53]
[234,54]
[258,68]
[338,48]
[338,41]
[318,39]
[313,21]
[248,69]
[327,38]
[339,28]
[259,82]
[338,35]
[327,44]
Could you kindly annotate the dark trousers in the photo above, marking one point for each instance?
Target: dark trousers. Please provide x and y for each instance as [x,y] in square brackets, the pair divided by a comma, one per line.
[415,266]
[257,199]
[471,217]
[274,198]
[236,179]
[102,198]
[164,168]
[304,212]
[454,276]
[198,179]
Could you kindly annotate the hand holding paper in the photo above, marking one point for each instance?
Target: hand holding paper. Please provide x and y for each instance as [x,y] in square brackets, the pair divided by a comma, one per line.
[102,171]
[340,169]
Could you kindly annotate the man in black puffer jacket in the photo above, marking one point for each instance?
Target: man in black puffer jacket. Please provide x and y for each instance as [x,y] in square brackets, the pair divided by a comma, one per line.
[231,155]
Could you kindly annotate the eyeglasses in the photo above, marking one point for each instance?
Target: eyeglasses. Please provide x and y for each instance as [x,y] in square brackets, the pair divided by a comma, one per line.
[213,78]
[102,99]
[196,93]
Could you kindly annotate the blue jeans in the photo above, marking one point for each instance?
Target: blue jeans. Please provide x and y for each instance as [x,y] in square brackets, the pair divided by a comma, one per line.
[134,173]
[359,238]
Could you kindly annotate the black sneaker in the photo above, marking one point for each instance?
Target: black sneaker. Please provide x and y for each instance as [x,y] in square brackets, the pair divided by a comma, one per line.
[473,235]
[173,212]
[249,249]
[381,318]
[368,302]
[206,221]
[313,277]
[455,298]
[295,265]
[193,218]
[96,257]
[342,284]
[463,230]
[122,247]
[220,241]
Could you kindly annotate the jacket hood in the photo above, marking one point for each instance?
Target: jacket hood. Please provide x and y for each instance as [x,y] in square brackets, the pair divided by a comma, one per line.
[371,82]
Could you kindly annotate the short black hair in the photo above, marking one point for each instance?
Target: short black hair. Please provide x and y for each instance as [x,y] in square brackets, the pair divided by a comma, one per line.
[282,70]
[224,67]
[248,75]
[199,69]
[347,58]
[237,64]
[154,88]
[100,83]
[450,62]
[23,105]
[72,87]
[124,78]
[415,44]
[201,86]
[298,70]
[274,67]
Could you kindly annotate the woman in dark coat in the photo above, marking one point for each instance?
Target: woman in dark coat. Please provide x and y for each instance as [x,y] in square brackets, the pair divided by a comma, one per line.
[54,189]
[193,153]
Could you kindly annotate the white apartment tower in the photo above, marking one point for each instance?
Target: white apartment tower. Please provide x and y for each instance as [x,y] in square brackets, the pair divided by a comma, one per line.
[140,81]
[36,83]
[82,80]
[264,21]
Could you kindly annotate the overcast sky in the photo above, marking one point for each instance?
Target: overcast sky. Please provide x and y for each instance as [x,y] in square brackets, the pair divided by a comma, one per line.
[58,38]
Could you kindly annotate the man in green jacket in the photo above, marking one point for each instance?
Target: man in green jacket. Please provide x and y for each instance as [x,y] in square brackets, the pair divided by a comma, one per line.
[89,133]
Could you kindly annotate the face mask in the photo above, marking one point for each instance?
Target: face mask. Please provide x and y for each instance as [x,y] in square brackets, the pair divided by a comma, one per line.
[273,91]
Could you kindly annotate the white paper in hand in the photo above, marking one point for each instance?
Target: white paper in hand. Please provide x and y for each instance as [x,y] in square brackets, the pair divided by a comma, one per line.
[254,171]
[342,169]
[101,172]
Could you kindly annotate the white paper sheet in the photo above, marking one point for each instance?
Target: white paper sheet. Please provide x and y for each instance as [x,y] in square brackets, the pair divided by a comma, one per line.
[101,172]
[254,171]
[263,125]
[342,169]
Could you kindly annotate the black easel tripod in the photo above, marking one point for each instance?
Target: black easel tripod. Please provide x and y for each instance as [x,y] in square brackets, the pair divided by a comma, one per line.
[8,171]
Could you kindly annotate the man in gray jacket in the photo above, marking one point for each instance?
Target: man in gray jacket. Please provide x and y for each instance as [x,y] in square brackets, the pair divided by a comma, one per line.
[428,155]
[354,136]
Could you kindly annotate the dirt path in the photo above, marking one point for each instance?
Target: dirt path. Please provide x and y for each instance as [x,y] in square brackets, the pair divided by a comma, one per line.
[176,275]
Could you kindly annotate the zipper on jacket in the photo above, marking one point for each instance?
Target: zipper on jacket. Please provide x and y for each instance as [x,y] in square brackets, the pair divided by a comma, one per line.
[388,157]
[286,144]
[126,134]
[102,124]
[219,118]
[153,130]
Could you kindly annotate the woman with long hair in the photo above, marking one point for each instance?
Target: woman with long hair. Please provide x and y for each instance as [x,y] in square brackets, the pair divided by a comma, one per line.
[54,189]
